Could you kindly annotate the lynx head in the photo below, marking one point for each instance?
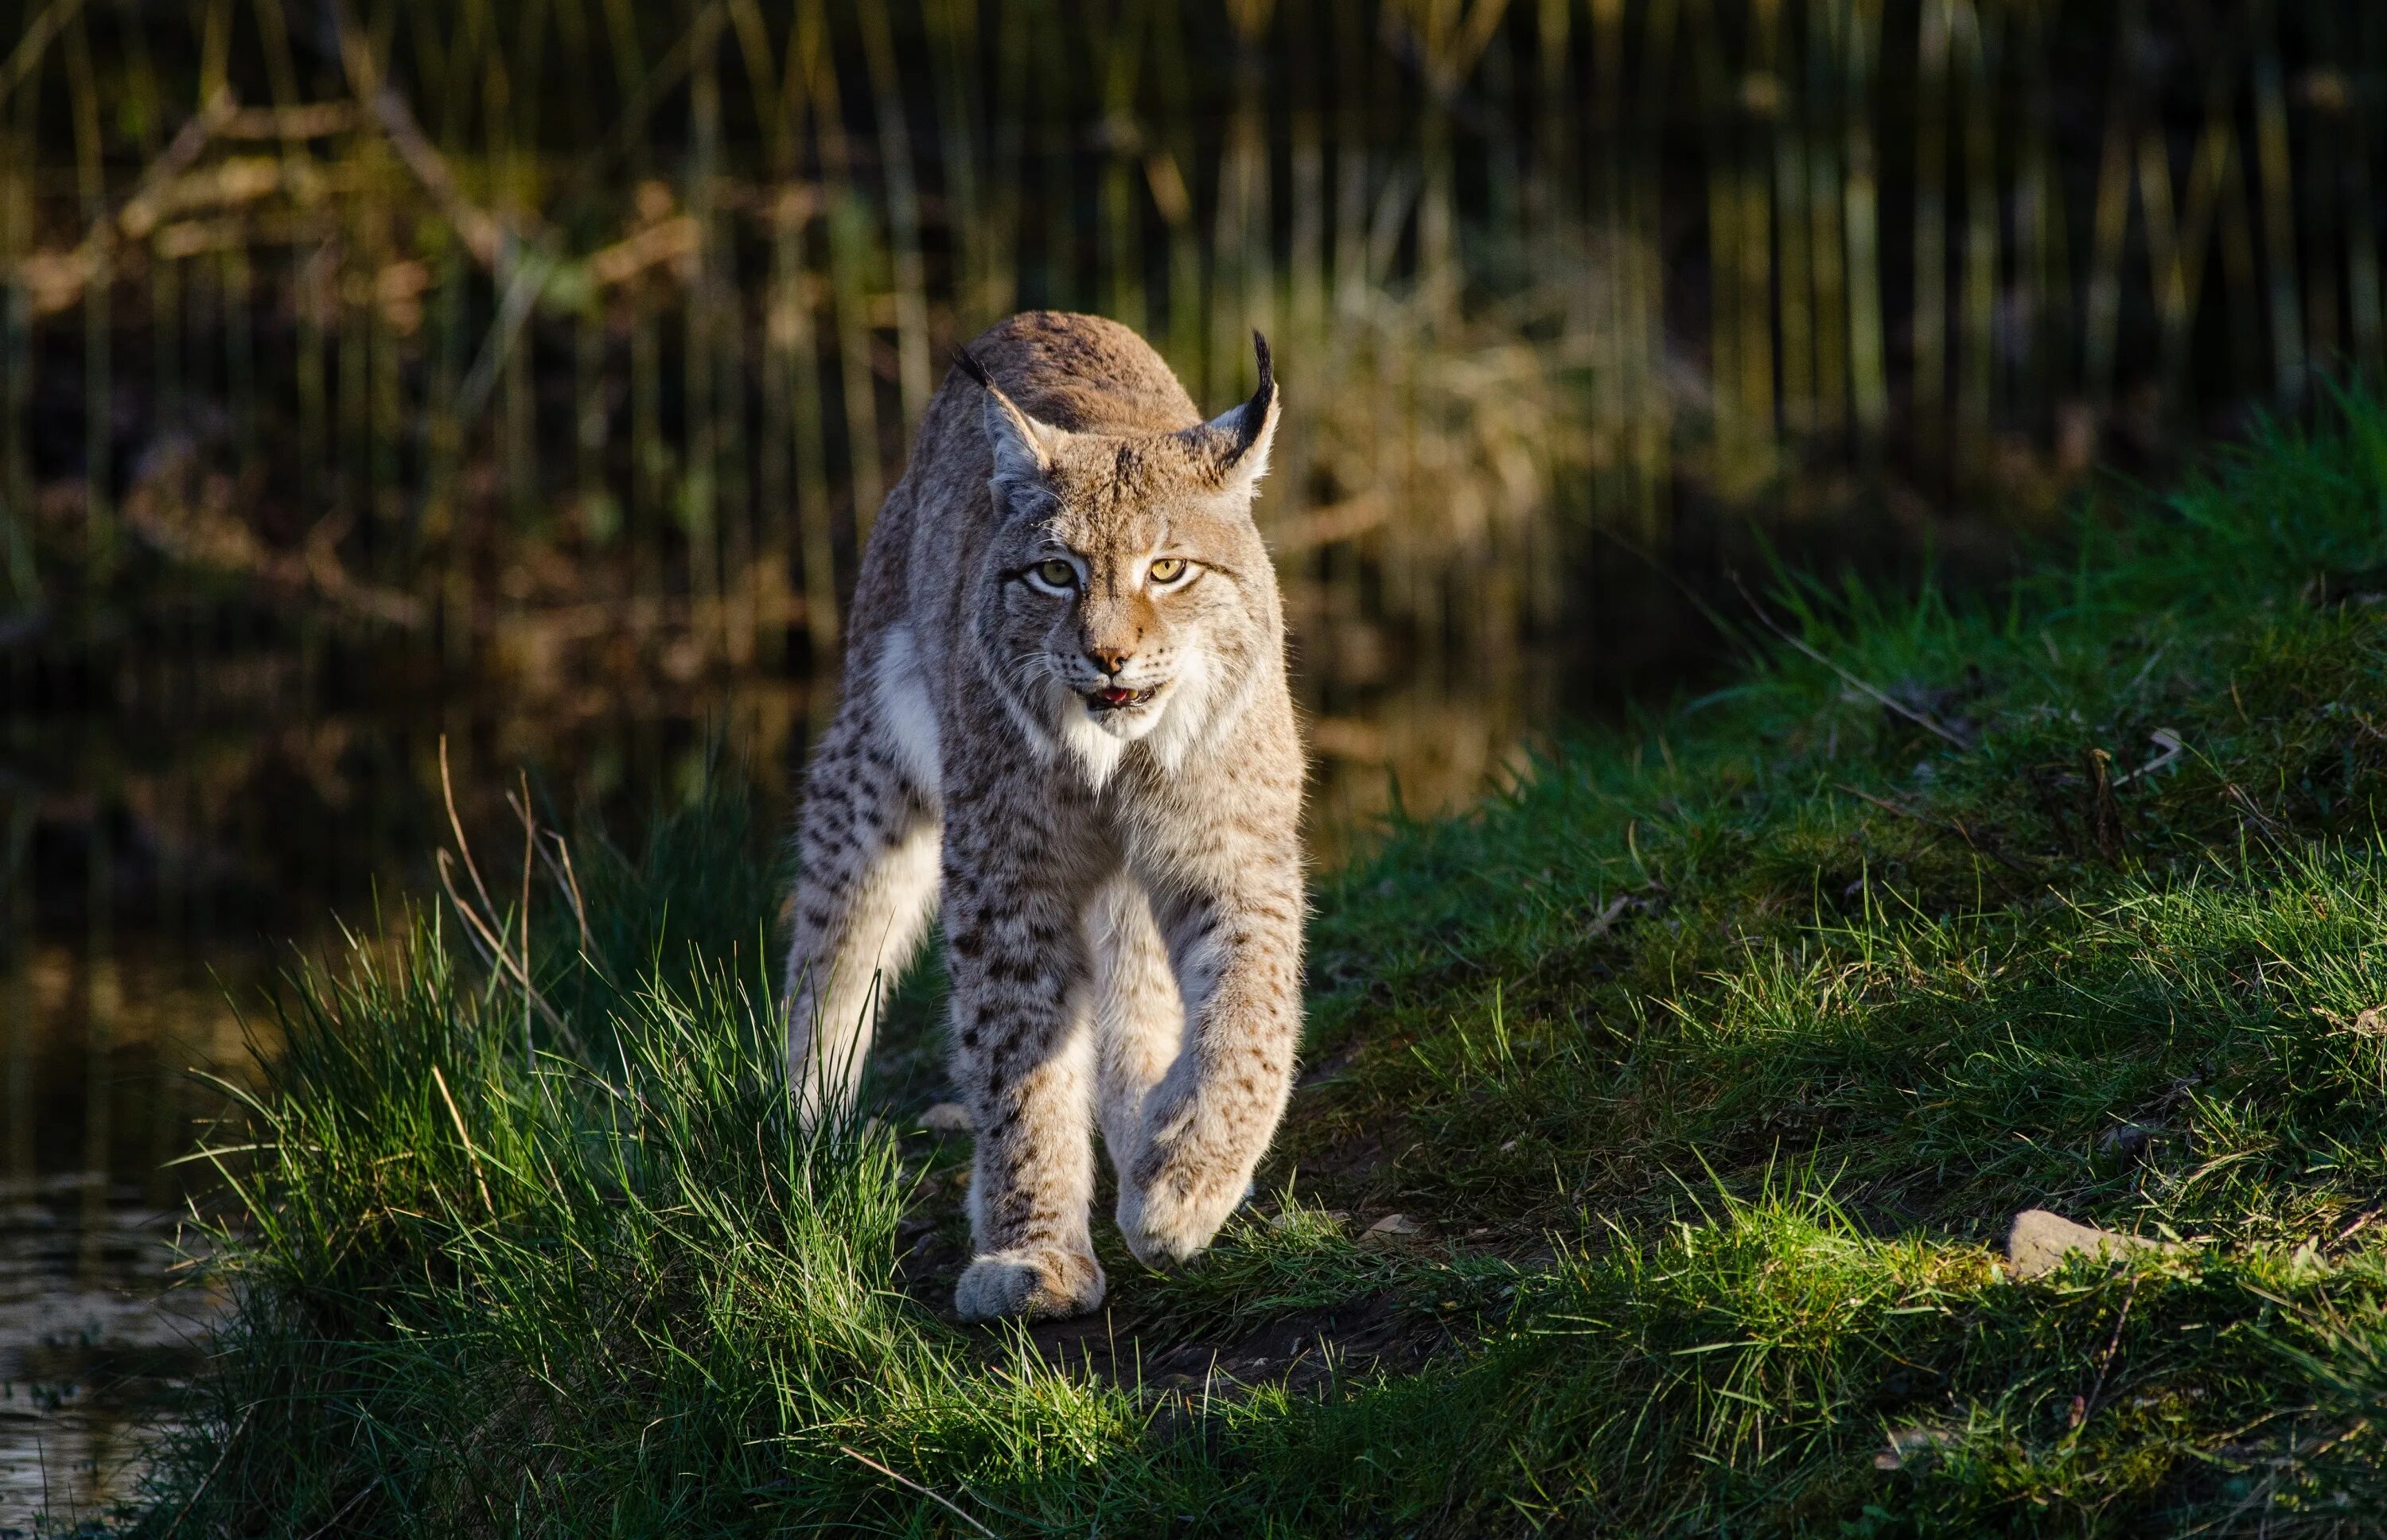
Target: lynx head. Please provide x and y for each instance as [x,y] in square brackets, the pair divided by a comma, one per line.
[1132,595]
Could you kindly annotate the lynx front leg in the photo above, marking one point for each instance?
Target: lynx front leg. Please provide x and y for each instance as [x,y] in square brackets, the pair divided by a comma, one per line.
[1023,1058]
[1237,951]
[867,844]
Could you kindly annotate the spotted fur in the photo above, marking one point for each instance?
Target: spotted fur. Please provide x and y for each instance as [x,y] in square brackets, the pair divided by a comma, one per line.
[1091,759]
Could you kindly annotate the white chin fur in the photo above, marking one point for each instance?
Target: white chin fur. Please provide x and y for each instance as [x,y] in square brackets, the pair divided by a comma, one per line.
[1129,725]
[1168,725]
[1096,739]
[1185,715]
[1092,744]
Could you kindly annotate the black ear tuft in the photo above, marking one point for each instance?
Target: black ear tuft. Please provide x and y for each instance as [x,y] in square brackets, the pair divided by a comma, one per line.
[1252,418]
[968,363]
[1236,440]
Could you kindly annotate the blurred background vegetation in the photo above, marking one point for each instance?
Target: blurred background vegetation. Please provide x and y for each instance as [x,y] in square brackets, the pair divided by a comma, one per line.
[577,339]
[529,373]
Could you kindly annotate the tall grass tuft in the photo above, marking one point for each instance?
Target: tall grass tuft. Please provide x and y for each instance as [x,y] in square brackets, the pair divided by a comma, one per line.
[675,1278]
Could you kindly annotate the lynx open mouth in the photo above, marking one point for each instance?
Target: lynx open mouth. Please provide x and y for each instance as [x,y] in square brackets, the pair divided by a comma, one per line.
[1102,702]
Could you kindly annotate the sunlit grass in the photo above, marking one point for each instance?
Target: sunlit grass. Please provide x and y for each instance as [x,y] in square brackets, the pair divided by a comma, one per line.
[1711,1064]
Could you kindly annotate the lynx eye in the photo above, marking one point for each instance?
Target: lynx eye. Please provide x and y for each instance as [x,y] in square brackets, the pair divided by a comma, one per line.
[1168,570]
[1056,574]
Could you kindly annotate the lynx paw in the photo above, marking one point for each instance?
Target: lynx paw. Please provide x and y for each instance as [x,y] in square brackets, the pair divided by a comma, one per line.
[1171,1218]
[1030,1283]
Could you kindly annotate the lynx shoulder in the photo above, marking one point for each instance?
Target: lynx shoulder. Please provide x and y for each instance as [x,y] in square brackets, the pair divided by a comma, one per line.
[1066,723]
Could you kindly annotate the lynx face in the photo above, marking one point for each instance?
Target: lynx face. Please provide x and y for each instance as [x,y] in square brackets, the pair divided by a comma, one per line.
[1131,594]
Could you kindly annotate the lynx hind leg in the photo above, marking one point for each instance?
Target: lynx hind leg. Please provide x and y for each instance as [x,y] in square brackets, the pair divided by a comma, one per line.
[1139,1017]
[867,843]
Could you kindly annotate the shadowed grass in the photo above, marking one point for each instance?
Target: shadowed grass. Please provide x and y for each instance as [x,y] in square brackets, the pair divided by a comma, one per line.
[1712,1065]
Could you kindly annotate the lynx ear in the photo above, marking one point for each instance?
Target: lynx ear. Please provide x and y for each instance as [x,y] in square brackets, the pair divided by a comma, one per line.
[1238,440]
[1023,447]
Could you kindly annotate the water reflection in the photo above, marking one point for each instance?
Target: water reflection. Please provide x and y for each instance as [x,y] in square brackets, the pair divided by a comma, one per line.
[92,1340]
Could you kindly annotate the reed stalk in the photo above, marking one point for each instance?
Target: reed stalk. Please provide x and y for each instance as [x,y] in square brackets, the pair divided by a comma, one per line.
[698,496]
[1868,331]
[17,352]
[1933,110]
[98,449]
[1979,30]
[2366,308]
[1827,27]
[2277,196]
[903,198]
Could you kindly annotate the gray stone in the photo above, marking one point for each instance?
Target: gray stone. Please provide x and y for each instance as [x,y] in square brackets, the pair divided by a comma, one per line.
[1909,1446]
[2129,1141]
[2041,1241]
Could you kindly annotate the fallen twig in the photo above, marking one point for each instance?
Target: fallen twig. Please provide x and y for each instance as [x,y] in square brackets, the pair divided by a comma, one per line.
[1606,920]
[305,120]
[135,218]
[333,1523]
[488,931]
[479,1180]
[1888,702]
[938,1497]
[205,1482]
[73,272]
[205,536]
[2164,739]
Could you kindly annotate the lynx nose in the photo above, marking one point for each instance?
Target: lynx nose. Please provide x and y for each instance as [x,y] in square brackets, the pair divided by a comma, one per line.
[1110,659]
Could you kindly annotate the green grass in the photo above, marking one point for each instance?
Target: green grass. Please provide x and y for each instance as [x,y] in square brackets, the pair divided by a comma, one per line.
[1714,1061]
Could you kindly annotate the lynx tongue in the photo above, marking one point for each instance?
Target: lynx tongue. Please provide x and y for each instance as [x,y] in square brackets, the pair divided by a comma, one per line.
[1115,696]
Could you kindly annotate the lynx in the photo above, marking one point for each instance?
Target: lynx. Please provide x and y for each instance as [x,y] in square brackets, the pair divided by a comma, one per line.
[1066,715]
